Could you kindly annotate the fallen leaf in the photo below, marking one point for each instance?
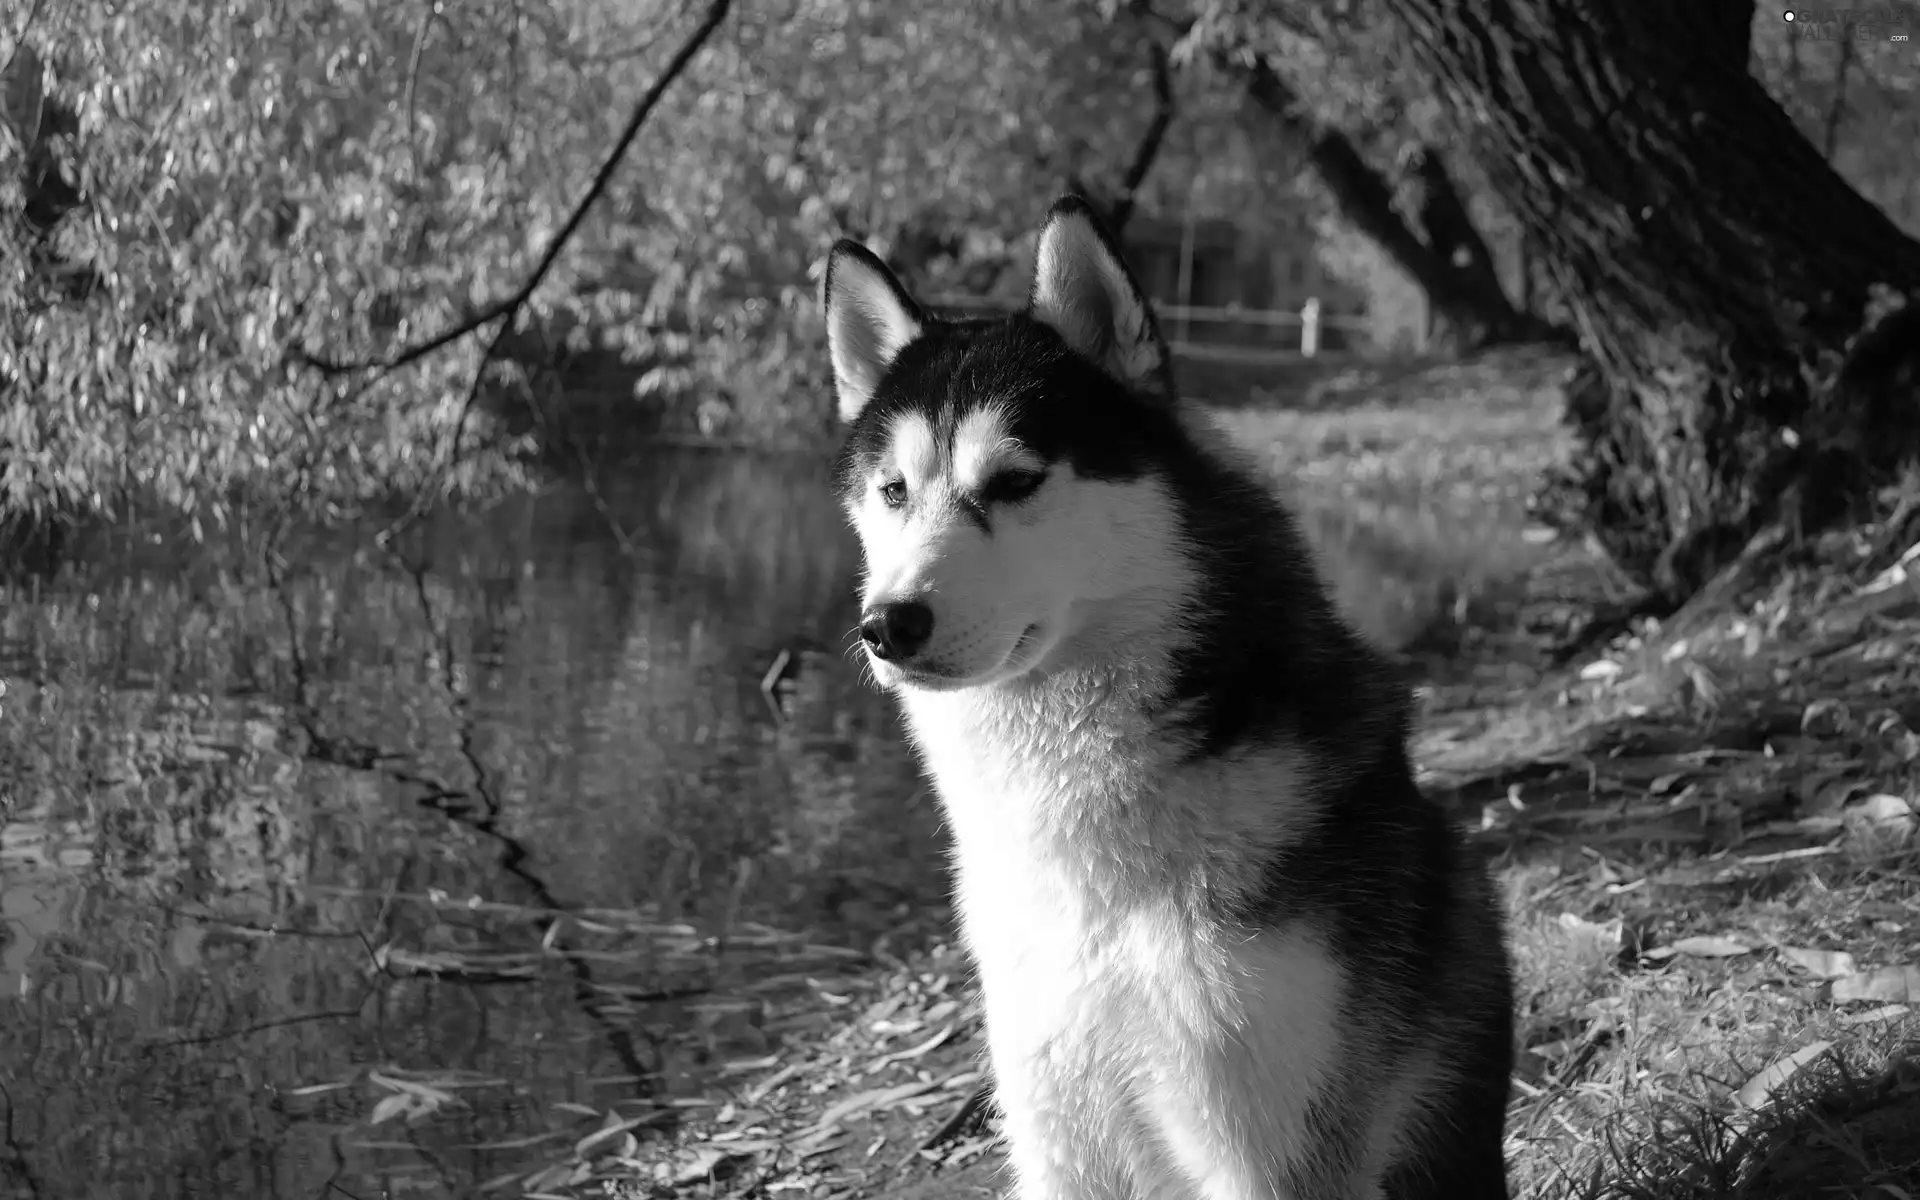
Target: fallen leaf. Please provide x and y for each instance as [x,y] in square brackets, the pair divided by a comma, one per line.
[1883,806]
[913,1052]
[1900,985]
[613,1128]
[1602,935]
[1826,718]
[875,1098]
[703,1162]
[759,1091]
[744,1066]
[316,1089]
[1757,1091]
[1886,1012]
[502,1182]
[1794,855]
[1821,964]
[1710,947]
[1554,1051]
[1880,821]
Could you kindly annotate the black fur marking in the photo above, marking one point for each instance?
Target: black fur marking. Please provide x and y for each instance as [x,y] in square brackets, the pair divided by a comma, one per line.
[978,515]
[1058,405]
[1011,487]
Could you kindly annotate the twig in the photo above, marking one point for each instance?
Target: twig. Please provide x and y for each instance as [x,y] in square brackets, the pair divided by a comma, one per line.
[427,18]
[340,1014]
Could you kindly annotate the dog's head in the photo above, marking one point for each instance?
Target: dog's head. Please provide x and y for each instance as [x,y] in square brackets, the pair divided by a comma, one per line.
[1004,476]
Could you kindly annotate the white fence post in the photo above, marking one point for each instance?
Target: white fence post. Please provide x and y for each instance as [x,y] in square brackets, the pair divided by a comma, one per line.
[1311,318]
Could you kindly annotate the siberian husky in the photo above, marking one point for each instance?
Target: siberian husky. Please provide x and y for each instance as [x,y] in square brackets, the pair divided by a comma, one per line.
[1228,949]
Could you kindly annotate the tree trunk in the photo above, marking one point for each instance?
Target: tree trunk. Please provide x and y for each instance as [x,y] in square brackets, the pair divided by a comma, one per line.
[1715,265]
[1451,263]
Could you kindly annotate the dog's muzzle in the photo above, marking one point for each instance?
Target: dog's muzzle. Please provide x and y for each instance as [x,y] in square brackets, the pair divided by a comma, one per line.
[896,631]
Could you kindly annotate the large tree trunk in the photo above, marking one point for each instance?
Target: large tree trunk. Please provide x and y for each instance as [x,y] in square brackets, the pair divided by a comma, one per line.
[1445,256]
[1715,265]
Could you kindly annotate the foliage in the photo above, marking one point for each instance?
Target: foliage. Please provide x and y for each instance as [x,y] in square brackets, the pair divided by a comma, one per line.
[199,191]
[251,178]
[238,183]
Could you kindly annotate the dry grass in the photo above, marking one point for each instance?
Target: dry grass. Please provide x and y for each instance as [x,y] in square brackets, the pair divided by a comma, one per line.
[1677,1024]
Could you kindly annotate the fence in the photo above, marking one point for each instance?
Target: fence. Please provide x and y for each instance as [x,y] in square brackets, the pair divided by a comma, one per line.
[1178,321]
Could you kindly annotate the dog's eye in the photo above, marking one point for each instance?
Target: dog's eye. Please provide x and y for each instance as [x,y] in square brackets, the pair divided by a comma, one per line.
[895,493]
[1011,487]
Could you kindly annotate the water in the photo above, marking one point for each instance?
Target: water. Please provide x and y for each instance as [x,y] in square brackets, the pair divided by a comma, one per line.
[392,872]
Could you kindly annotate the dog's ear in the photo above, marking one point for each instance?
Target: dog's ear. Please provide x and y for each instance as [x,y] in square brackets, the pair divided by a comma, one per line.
[870,320]
[1082,288]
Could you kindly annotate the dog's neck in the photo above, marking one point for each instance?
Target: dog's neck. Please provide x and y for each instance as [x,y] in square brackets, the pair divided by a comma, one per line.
[1044,729]
[1078,775]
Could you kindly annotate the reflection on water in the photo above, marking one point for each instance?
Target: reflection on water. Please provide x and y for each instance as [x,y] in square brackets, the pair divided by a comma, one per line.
[395,871]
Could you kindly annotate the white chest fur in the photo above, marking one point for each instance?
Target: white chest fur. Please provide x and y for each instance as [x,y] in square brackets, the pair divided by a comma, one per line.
[1131,1029]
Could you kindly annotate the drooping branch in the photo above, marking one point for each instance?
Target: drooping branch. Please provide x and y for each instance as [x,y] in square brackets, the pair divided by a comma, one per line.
[507,308]
[1151,140]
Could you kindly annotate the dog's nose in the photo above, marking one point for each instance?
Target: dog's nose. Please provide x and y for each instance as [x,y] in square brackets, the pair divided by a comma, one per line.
[898,630]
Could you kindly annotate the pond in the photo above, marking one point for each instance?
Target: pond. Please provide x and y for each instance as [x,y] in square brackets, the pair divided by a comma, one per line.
[360,870]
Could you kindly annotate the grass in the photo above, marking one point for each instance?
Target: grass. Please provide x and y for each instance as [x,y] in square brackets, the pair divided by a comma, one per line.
[1414,487]
[1716,986]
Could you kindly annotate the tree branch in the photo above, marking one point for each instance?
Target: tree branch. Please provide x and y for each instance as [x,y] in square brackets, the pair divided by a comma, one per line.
[1155,136]
[1467,294]
[509,307]
[1365,198]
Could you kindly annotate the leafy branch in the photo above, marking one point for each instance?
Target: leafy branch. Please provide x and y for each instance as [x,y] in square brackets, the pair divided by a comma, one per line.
[504,310]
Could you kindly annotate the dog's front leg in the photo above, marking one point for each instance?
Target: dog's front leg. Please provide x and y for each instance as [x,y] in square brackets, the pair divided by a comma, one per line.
[1228,1160]
[1052,1156]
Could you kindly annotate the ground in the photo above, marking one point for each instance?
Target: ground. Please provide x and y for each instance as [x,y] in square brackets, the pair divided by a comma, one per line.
[1703,828]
